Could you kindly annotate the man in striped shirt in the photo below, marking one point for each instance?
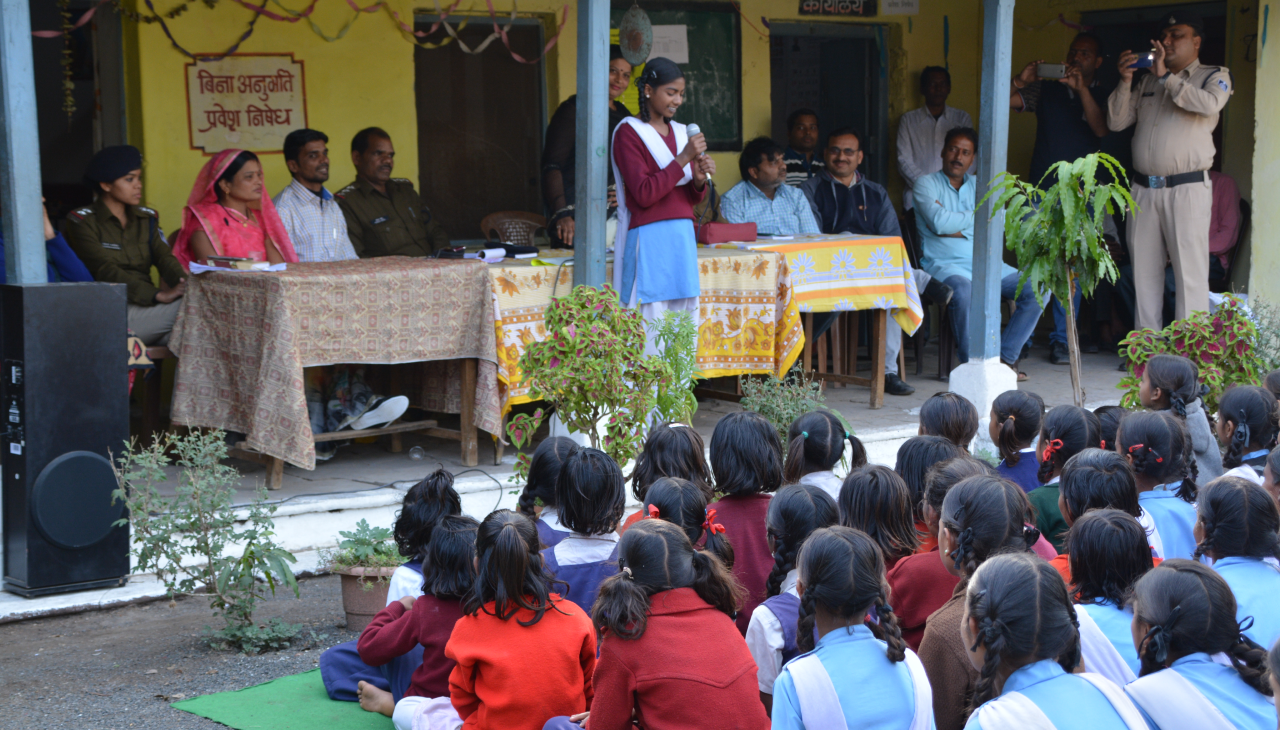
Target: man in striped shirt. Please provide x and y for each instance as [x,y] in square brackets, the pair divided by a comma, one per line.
[801,155]
[315,223]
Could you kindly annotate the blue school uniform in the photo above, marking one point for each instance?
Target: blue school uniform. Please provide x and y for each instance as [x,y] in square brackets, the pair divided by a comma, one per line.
[1243,706]
[874,692]
[1116,624]
[1070,702]
[583,562]
[1256,584]
[1025,473]
[1173,519]
[342,670]
[550,530]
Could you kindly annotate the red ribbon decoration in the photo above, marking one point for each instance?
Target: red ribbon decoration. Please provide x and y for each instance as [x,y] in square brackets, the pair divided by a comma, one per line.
[1052,447]
[1135,447]
[710,525]
[653,512]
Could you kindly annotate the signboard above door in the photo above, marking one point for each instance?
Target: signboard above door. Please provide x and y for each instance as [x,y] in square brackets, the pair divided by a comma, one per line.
[245,101]
[844,8]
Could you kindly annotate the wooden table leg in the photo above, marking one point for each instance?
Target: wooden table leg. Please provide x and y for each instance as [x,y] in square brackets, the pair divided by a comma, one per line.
[470,447]
[837,345]
[807,317]
[878,326]
[275,473]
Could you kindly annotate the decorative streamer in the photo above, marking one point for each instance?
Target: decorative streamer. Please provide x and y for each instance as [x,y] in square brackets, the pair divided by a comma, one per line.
[234,47]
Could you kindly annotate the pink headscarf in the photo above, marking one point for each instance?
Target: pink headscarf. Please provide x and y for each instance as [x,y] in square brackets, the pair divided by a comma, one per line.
[225,228]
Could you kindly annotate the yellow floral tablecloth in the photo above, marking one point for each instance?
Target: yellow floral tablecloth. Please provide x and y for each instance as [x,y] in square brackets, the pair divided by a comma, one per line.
[846,272]
[749,320]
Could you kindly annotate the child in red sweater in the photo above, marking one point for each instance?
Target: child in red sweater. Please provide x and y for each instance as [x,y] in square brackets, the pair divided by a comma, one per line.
[746,458]
[670,656]
[447,574]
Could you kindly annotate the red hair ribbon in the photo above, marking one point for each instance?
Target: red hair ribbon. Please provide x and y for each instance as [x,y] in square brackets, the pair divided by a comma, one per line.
[1135,447]
[1051,448]
[710,525]
[653,511]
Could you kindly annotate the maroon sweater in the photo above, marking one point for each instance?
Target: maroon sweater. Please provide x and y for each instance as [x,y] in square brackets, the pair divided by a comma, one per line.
[690,668]
[394,631]
[918,585]
[651,192]
[743,517]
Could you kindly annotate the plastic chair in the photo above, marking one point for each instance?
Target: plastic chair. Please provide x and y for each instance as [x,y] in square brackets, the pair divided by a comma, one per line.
[512,226]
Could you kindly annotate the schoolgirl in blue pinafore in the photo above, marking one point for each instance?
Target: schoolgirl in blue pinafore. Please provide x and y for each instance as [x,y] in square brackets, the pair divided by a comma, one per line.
[1197,692]
[1169,520]
[550,531]
[1113,625]
[1068,701]
[583,562]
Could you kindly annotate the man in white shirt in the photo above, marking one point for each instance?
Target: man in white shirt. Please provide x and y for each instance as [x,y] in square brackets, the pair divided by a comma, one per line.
[315,223]
[921,131]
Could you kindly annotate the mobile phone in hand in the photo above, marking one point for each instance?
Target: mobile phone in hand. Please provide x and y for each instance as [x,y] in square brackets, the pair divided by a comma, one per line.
[1145,60]
[1051,70]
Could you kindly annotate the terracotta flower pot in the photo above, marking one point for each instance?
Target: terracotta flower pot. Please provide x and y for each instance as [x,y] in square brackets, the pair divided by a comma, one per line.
[364,594]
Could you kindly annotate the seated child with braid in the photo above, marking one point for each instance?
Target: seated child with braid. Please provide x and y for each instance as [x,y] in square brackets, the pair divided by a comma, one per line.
[1065,432]
[1172,383]
[1237,527]
[1247,430]
[1157,446]
[815,444]
[683,504]
[1015,424]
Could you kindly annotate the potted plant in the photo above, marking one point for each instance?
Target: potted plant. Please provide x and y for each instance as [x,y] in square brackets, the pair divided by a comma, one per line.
[365,558]
[1056,233]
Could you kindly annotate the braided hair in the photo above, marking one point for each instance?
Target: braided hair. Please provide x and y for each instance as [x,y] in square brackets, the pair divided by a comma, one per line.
[1022,609]
[841,569]
[1066,431]
[1109,419]
[1108,551]
[657,71]
[1252,411]
[544,471]
[1177,378]
[1190,609]
[1015,418]
[875,500]
[1158,446]
[1238,519]
[683,504]
[815,442]
[794,512]
[986,515]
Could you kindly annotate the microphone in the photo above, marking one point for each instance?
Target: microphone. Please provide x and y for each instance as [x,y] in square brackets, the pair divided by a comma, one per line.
[693,130]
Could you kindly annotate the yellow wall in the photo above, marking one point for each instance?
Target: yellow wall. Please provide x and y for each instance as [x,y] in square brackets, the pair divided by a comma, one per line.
[1265,274]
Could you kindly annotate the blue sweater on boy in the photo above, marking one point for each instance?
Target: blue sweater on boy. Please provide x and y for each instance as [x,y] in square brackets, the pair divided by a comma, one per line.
[1025,473]
[1070,702]
[1243,706]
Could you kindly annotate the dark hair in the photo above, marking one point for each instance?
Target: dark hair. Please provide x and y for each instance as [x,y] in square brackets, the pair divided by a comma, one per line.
[510,572]
[988,515]
[657,71]
[360,142]
[1252,410]
[229,174]
[1065,432]
[544,471]
[844,132]
[1109,418]
[672,450]
[815,442]
[424,505]
[1273,461]
[916,456]
[794,512]
[968,133]
[875,500]
[924,75]
[944,475]
[1191,609]
[615,53]
[746,457]
[656,556]
[1022,610]
[1238,519]
[1160,446]
[299,138]
[843,571]
[1087,36]
[589,492]
[755,152]
[682,503]
[1273,382]
[794,117]
[1177,377]
[449,568]
[1108,551]
[951,416]
[1097,479]
[1018,412]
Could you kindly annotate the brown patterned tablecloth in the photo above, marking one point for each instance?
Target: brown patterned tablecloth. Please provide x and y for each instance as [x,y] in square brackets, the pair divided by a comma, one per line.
[243,338]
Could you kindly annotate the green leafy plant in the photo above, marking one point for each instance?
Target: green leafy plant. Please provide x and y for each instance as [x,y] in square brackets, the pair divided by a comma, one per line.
[1221,344]
[365,547]
[190,541]
[677,339]
[1266,319]
[782,400]
[520,429]
[592,369]
[1056,233]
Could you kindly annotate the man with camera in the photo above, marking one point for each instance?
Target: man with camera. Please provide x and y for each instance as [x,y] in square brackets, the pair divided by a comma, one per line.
[1175,107]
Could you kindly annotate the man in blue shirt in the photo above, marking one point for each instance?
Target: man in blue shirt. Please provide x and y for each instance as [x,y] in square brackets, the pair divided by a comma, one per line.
[763,198]
[944,206]
[62,263]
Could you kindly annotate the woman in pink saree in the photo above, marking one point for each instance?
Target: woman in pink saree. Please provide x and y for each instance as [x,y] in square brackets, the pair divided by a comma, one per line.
[230,214]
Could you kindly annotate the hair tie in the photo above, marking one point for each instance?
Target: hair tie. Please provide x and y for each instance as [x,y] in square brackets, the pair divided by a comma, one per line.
[710,524]
[627,572]
[1010,417]
[1160,637]
[989,632]
[964,543]
[653,512]
[847,434]
[804,434]
[1052,448]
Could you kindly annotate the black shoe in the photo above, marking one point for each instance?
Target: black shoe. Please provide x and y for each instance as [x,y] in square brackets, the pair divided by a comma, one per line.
[1123,366]
[938,293]
[1058,353]
[893,385]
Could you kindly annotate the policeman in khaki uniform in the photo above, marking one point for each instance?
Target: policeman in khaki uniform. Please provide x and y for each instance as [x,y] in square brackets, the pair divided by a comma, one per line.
[119,241]
[1175,108]
[385,216]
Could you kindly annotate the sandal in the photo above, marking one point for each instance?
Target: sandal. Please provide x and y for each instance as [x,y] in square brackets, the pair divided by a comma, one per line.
[1022,377]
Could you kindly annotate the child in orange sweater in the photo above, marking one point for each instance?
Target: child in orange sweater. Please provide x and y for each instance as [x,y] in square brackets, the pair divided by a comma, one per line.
[524,655]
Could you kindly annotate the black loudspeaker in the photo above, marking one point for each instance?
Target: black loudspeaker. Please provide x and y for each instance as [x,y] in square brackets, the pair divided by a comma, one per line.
[64,399]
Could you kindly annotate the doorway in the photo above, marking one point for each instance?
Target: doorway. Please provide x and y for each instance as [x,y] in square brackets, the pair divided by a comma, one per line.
[838,71]
[480,122]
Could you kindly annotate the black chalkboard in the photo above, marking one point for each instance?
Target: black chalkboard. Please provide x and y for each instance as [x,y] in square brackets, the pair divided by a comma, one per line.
[713,75]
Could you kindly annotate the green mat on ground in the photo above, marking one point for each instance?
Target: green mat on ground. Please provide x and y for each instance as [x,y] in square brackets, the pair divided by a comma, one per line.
[296,702]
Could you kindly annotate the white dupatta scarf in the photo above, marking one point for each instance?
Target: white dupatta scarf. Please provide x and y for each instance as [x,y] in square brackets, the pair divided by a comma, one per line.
[662,155]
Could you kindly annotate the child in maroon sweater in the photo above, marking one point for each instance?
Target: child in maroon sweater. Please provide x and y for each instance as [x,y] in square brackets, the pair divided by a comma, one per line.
[447,573]
[669,654]
[746,458]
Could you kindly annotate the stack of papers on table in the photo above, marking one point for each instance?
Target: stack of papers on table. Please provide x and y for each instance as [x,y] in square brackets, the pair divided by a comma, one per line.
[490,255]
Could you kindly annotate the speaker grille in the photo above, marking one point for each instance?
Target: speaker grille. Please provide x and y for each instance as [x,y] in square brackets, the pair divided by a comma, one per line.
[71,501]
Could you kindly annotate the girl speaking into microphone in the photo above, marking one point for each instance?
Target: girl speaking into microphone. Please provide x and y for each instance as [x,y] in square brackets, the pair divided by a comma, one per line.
[661,173]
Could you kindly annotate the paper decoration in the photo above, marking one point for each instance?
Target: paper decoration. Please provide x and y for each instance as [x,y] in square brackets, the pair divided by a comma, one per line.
[245,101]
[671,41]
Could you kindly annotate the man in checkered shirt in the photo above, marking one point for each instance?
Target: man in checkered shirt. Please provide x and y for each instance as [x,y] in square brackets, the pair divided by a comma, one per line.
[315,223]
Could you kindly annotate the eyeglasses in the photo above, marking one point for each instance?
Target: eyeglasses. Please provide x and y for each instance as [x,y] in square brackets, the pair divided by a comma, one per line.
[846,151]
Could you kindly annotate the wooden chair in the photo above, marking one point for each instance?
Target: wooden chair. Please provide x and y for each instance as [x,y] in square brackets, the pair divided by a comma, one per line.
[512,226]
